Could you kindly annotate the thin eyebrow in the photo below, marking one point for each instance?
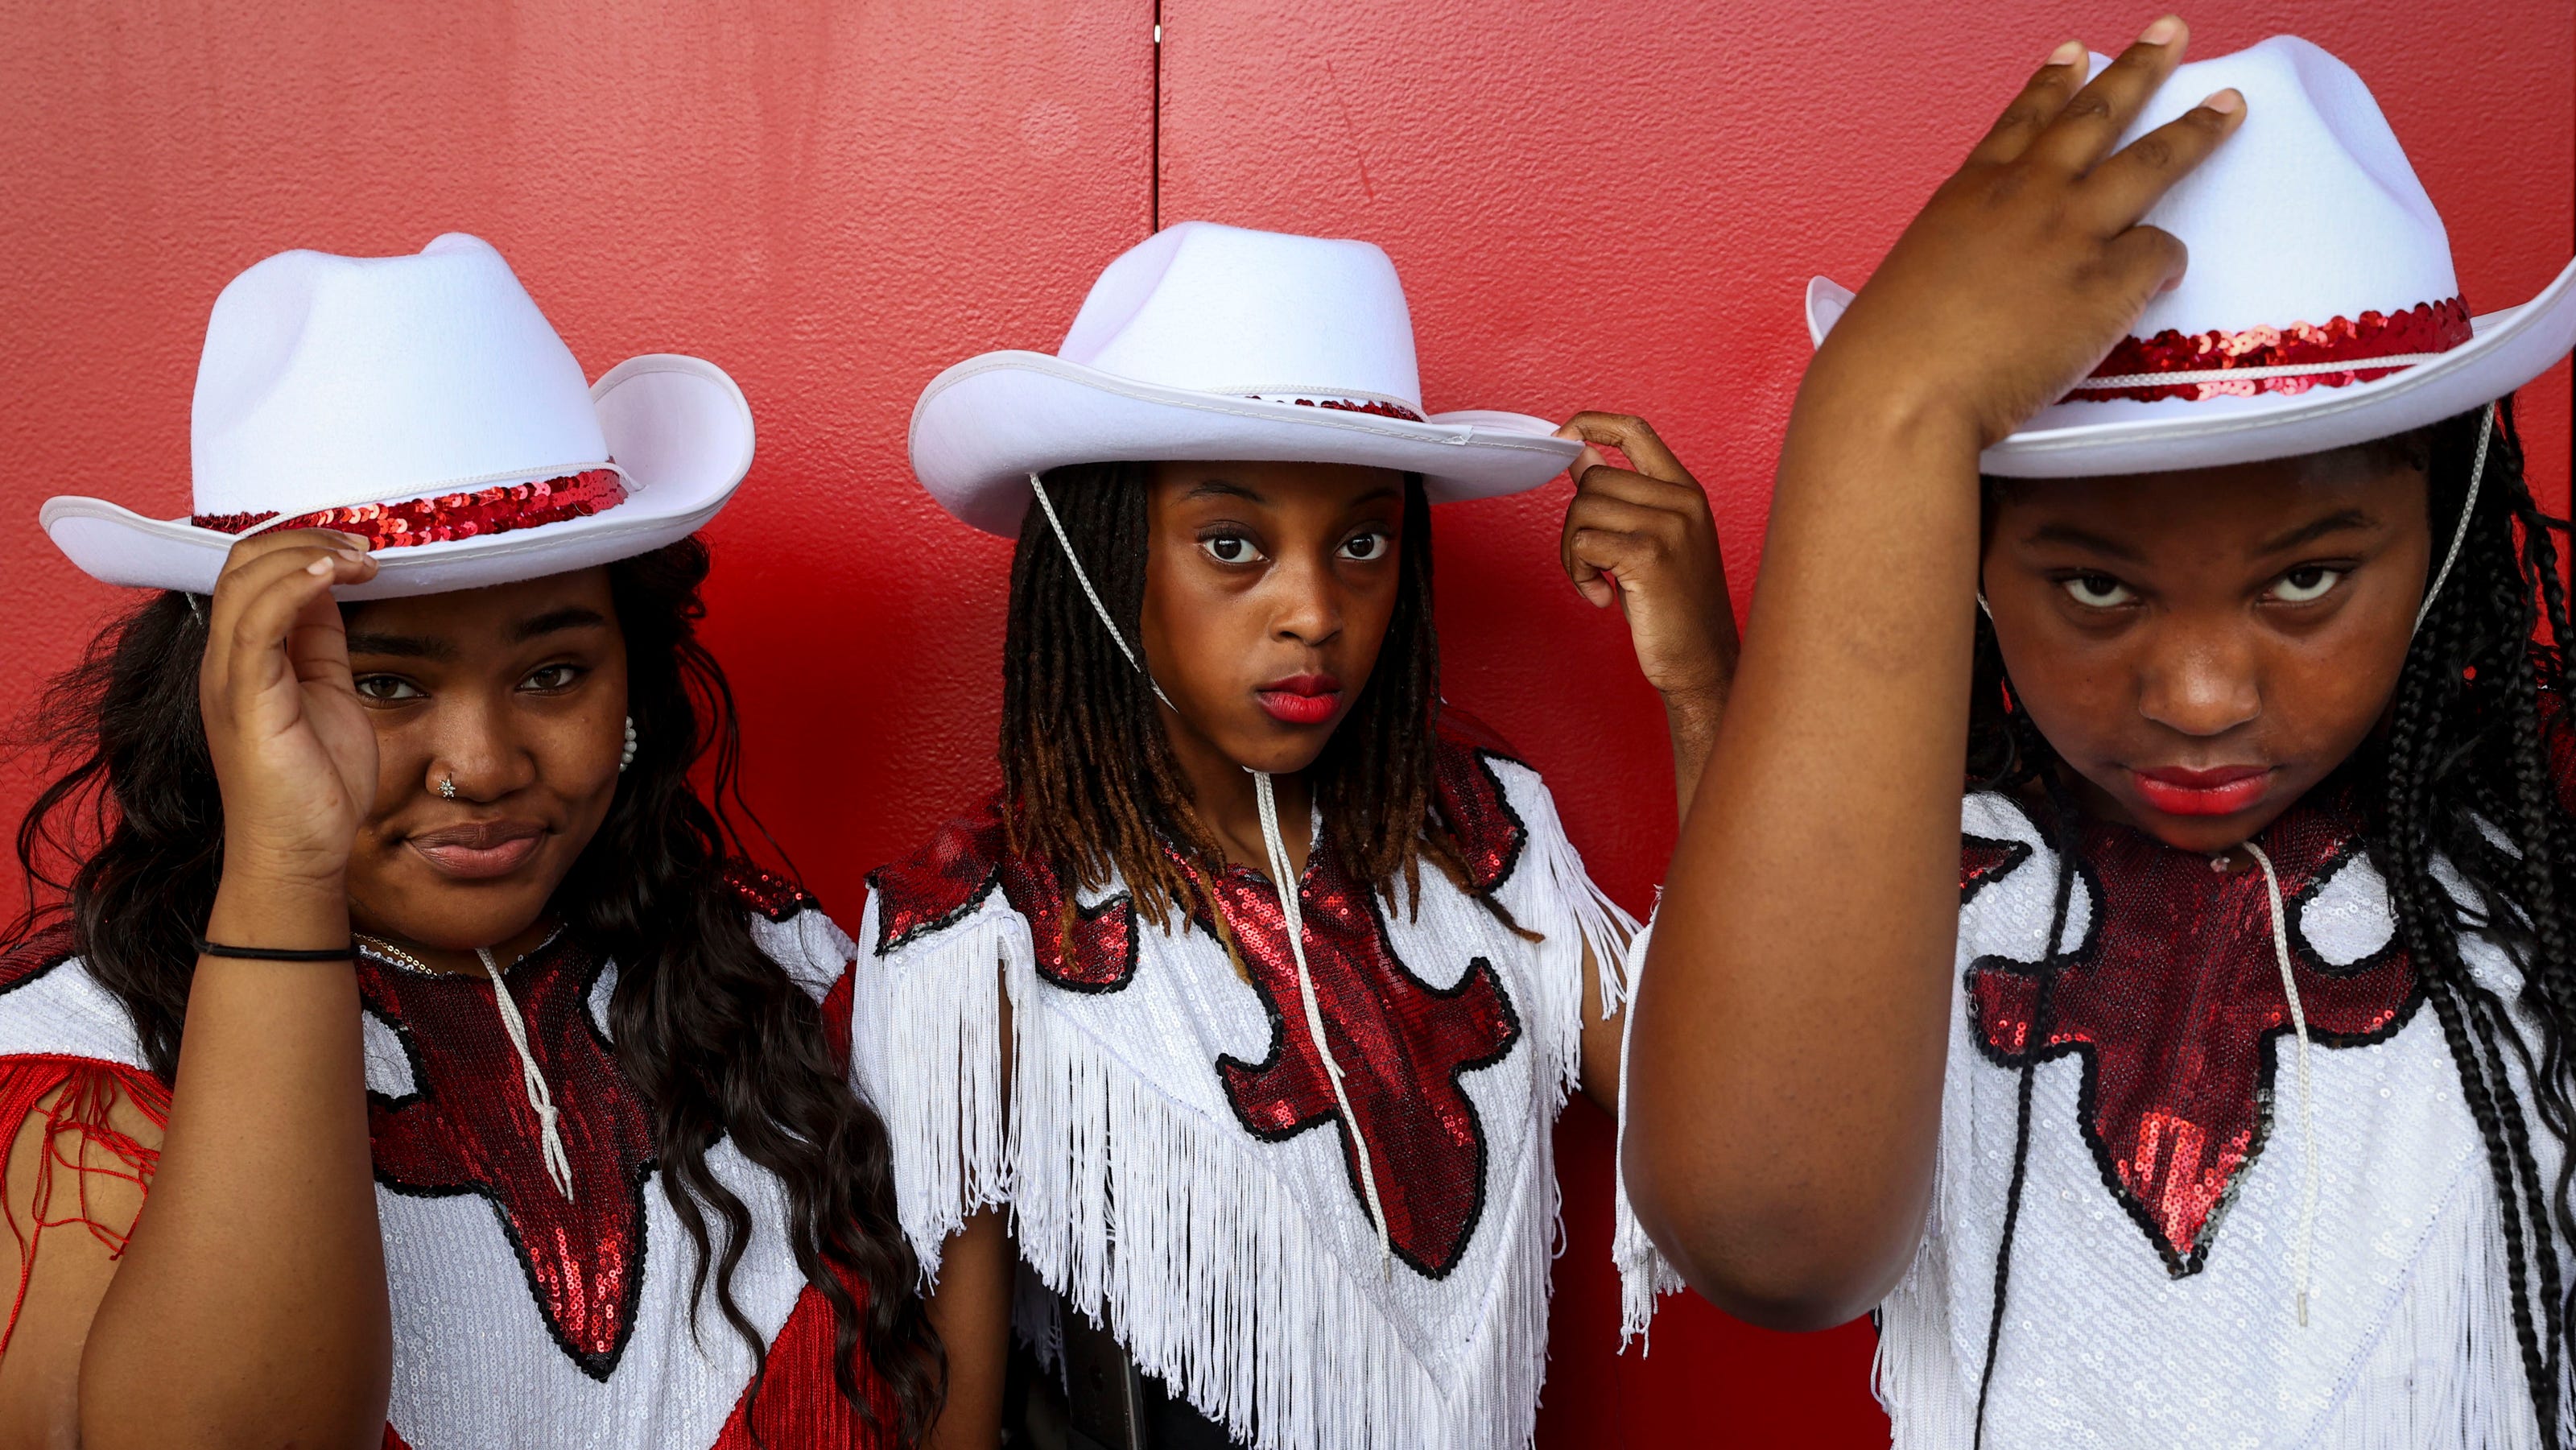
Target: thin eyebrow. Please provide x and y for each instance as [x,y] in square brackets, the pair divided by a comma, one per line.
[2085,539]
[1219,488]
[553,621]
[403,646]
[1375,494]
[2333,523]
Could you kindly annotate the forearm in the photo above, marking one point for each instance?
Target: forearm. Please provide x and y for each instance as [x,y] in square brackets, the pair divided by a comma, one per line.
[971,1310]
[1788,1056]
[250,1307]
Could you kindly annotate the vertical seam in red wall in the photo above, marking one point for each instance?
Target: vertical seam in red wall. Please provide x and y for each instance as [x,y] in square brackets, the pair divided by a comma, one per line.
[1154,162]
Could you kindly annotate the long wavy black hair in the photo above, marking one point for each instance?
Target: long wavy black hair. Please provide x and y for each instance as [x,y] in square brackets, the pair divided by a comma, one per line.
[2463,775]
[720,1041]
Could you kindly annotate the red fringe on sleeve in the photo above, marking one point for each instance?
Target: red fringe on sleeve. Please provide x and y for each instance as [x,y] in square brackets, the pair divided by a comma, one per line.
[73,1096]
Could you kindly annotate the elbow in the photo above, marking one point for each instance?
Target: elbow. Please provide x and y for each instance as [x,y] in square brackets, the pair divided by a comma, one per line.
[1781,1261]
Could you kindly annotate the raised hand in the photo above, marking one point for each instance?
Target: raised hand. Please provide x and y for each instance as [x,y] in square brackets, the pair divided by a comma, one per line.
[2029,264]
[1644,538]
[293,750]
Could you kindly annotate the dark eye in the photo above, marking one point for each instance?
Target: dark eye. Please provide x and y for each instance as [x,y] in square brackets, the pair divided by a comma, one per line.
[2098,591]
[2307,583]
[1364,547]
[1229,548]
[550,677]
[385,688]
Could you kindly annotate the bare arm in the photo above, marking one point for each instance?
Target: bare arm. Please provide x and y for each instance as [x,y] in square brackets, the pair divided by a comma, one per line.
[250,1307]
[1644,539]
[971,1309]
[1788,1055]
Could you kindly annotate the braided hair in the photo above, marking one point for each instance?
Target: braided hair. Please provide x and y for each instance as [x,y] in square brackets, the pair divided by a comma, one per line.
[2466,781]
[1089,780]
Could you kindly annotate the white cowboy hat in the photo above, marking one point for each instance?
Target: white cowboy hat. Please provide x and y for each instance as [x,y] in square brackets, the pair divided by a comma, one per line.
[2320,308]
[422,398]
[1214,342]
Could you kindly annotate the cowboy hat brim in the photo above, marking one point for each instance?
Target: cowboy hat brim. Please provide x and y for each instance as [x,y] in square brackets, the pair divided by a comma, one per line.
[983,426]
[678,427]
[2506,349]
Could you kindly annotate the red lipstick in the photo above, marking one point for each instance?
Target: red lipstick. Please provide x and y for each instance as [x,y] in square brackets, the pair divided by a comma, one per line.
[1301,699]
[478,850]
[2220,791]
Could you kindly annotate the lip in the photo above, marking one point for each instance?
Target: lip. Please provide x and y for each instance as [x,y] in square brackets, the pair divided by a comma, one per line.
[478,850]
[2218,791]
[1309,699]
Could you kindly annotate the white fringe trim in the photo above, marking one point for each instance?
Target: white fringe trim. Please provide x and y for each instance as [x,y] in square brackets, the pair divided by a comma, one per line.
[1214,1282]
[1552,894]
[1208,1268]
[1645,1275]
[938,1010]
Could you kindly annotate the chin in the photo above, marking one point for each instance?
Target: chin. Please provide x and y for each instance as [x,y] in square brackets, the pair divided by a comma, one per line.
[418,904]
[1275,749]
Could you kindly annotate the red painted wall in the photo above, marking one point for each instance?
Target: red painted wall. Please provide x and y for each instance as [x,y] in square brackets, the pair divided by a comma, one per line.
[1592,205]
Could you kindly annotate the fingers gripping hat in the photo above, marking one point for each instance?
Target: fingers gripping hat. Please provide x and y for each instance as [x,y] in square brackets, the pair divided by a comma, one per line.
[2320,307]
[424,404]
[1217,342]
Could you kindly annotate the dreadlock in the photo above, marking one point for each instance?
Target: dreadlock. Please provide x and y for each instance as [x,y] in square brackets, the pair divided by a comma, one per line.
[1089,777]
[2467,781]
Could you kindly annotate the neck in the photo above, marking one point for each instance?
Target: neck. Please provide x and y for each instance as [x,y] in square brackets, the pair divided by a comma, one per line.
[462,960]
[1221,791]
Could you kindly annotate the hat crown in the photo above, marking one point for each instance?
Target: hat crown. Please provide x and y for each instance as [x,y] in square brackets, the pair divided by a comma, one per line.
[330,380]
[2308,213]
[1222,309]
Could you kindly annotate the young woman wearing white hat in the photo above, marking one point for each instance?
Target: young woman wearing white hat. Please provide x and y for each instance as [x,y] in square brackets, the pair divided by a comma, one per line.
[1282,1158]
[2206,1078]
[478,1094]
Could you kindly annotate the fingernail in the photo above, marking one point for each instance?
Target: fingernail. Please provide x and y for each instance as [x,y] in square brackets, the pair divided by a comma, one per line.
[2162,31]
[2225,103]
[2067,54]
[318,568]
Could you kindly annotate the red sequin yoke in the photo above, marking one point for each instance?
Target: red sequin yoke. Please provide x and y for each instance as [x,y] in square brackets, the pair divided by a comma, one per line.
[1403,1045]
[2173,1004]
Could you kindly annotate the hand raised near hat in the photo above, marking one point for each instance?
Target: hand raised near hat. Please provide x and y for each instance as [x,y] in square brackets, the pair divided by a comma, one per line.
[2028,264]
[1644,538]
[293,750]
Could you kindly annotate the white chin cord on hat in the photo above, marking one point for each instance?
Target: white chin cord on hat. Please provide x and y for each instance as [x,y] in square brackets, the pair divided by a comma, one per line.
[1283,880]
[2280,922]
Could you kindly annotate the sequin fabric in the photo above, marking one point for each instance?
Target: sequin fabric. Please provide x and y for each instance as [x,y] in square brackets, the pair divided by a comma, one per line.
[1401,1045]
[466,1210]
[766,892]
[468,1129]
[1372,406]
[1089,949]
[2172,1001]
[441,518]
[2424,328]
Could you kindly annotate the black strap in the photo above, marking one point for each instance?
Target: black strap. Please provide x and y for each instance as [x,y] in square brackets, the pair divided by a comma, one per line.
[207,948]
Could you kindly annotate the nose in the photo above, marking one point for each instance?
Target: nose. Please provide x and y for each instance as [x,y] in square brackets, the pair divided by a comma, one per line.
[1307,600]
[2201,679]
[475,753]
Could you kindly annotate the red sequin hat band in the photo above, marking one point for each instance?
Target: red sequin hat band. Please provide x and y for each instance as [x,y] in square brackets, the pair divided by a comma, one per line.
[1380,407]
[2289,359]
[470,513]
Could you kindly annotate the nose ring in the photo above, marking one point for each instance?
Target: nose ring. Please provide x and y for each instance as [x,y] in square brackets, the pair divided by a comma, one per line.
[447,788]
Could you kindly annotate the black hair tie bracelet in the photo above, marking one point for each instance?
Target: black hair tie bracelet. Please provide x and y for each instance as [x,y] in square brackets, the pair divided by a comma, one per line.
[207,948]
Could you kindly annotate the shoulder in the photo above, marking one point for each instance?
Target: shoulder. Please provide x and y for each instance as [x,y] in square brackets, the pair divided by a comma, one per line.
[1485,794]
[791,928]
[943,883]
[51,1007]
